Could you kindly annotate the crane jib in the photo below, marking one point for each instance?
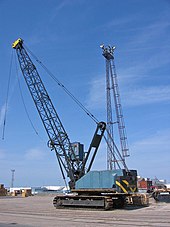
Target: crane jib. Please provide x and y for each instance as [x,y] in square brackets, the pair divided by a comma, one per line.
[68,159]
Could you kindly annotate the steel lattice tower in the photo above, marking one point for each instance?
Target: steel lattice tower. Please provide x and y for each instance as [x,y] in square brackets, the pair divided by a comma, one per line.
[12,179]
[113,95]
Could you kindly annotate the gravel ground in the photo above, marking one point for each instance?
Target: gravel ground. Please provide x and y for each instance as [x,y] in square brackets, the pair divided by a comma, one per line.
[39,211]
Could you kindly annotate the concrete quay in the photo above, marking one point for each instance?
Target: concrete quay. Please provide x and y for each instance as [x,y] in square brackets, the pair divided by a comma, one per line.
[38,211]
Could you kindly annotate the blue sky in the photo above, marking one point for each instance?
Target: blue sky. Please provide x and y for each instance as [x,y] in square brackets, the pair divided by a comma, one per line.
[65,36]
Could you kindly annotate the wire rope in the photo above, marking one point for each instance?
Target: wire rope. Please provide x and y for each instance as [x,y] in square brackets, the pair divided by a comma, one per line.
[7,98]
[64,88]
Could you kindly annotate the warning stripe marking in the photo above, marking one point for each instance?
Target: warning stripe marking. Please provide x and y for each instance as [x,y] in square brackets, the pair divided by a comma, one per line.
[121,186]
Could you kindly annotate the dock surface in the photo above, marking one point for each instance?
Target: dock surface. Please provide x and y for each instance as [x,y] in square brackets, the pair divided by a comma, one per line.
[38,211]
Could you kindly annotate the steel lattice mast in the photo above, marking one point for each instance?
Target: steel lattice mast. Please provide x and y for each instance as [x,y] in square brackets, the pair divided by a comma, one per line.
[112,92]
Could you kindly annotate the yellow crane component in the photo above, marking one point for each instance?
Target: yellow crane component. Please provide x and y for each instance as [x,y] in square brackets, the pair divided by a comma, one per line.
[15,43]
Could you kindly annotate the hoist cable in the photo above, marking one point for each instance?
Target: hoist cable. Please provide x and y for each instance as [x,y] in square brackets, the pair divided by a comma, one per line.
[64,88]
[7,97]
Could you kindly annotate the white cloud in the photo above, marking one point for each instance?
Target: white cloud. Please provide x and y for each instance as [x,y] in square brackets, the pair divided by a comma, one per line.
[63,4]
[151,155]
[2,154]
[35,154]
[140,69]
[123,21]
[131,96]
[96,97]
[143,68]
[156,143]
[146,95]
[150,33]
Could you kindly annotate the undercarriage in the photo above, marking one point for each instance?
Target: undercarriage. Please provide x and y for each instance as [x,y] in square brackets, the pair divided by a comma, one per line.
[106,199]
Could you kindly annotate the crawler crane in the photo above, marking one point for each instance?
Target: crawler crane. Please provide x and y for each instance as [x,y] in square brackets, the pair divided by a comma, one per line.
[100,189]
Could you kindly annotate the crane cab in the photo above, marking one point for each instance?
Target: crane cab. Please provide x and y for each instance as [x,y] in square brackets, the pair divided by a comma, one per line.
[78,150]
